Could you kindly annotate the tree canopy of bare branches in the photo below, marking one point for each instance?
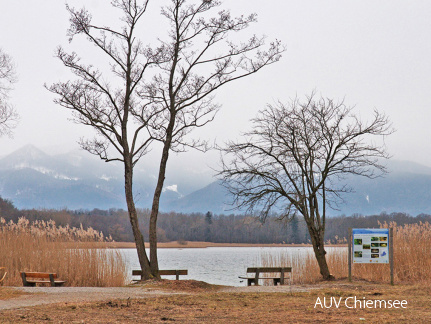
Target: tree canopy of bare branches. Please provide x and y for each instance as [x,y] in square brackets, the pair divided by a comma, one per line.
[202,58]
[295,158]
[119,116]
[161,92]
[8,115]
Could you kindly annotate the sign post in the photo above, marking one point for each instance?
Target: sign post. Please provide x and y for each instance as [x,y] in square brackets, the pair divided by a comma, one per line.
[369,245]
[350,254]
[391,253]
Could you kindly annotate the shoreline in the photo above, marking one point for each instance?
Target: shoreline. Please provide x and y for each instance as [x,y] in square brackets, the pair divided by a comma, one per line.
[199,244]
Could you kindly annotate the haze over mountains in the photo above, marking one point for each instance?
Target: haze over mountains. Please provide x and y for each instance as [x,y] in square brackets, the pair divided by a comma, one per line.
[30,178]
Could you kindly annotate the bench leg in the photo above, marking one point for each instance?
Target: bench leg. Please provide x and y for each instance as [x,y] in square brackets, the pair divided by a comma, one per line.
[29,284]
[25,283]
[250,281]
[276,281]
[51,279]
[256,278]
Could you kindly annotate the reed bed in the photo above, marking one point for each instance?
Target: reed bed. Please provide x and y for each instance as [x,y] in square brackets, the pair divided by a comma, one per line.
[68,251]
[412,259]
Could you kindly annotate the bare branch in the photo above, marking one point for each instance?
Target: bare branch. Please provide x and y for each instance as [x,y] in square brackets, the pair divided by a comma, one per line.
[295,156]
[8,115]
[121,118]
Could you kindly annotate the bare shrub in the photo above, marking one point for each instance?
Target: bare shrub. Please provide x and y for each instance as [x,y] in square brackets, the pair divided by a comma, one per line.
[304,265]
[68,251]
[412,255]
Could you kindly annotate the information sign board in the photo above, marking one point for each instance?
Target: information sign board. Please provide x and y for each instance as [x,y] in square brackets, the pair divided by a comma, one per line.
[370,245]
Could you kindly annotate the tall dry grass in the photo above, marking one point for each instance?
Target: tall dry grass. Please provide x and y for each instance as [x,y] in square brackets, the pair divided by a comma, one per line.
[44,247]
[412,259]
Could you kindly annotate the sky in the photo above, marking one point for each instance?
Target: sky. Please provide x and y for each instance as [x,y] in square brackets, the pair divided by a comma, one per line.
[374,54]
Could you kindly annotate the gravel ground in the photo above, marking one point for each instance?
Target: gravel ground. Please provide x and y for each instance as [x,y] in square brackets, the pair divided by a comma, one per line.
[50,295]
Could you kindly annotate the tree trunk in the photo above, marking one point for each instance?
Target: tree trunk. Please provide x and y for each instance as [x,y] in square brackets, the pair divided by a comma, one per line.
[319,251]
[154,263]
[133,216]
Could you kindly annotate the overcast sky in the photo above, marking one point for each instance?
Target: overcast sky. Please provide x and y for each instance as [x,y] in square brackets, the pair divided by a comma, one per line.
[375,54]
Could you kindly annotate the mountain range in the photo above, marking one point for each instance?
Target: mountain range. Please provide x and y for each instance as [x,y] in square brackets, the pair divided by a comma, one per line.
[31,178]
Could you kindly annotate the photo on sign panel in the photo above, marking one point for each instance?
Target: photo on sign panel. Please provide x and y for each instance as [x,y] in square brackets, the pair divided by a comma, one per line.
[357,241]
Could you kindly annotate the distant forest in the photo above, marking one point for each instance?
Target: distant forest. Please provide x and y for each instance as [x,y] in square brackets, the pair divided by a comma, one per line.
[206,227]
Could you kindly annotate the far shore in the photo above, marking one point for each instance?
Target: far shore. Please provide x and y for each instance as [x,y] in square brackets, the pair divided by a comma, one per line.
[197,244]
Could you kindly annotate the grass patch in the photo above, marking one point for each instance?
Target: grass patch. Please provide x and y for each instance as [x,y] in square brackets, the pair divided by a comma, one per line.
[412,251]
[44,247]
[253,307]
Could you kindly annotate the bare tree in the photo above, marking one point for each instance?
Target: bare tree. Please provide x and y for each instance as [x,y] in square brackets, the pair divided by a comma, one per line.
[8,115]
[195,60]
[120,117]
[202,58]
[295,158]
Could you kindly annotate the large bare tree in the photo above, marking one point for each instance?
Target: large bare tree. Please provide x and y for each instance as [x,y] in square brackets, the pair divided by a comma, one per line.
[108,101]
[202,58]
[196,58]
[295,158]
[8,115]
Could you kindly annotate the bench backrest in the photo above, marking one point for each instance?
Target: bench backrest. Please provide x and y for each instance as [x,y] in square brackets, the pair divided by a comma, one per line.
[173,272]
[164,272]
[269,269]
[39,275]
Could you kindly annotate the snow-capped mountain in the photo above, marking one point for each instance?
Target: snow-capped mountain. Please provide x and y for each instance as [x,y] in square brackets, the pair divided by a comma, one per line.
[31,178]
[406,188]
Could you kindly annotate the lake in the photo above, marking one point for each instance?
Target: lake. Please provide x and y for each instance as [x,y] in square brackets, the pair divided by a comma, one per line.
[214,265]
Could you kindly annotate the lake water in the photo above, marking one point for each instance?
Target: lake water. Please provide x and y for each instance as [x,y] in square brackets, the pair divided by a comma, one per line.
[214,265]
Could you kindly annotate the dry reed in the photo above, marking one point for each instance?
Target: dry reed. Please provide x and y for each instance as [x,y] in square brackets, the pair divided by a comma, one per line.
[39,246]
[412,259]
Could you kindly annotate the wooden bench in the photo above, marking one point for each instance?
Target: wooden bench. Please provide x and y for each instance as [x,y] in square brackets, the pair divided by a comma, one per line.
[33,278]
[176,273]
[277,279]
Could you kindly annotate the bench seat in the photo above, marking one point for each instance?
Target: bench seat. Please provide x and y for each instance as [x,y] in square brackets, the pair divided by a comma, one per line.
[176,273]
[279,279]
[45,281]
[30,279]
[251,280]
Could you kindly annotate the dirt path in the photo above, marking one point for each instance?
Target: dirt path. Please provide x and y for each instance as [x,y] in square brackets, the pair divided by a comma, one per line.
[34,296]
[49,295]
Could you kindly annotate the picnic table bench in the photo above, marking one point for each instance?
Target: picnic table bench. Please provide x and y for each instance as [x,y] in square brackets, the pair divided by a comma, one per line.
[271,270]
[176,273]
[33,278]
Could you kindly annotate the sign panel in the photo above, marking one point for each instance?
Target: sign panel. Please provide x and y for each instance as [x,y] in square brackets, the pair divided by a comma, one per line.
[370,245]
